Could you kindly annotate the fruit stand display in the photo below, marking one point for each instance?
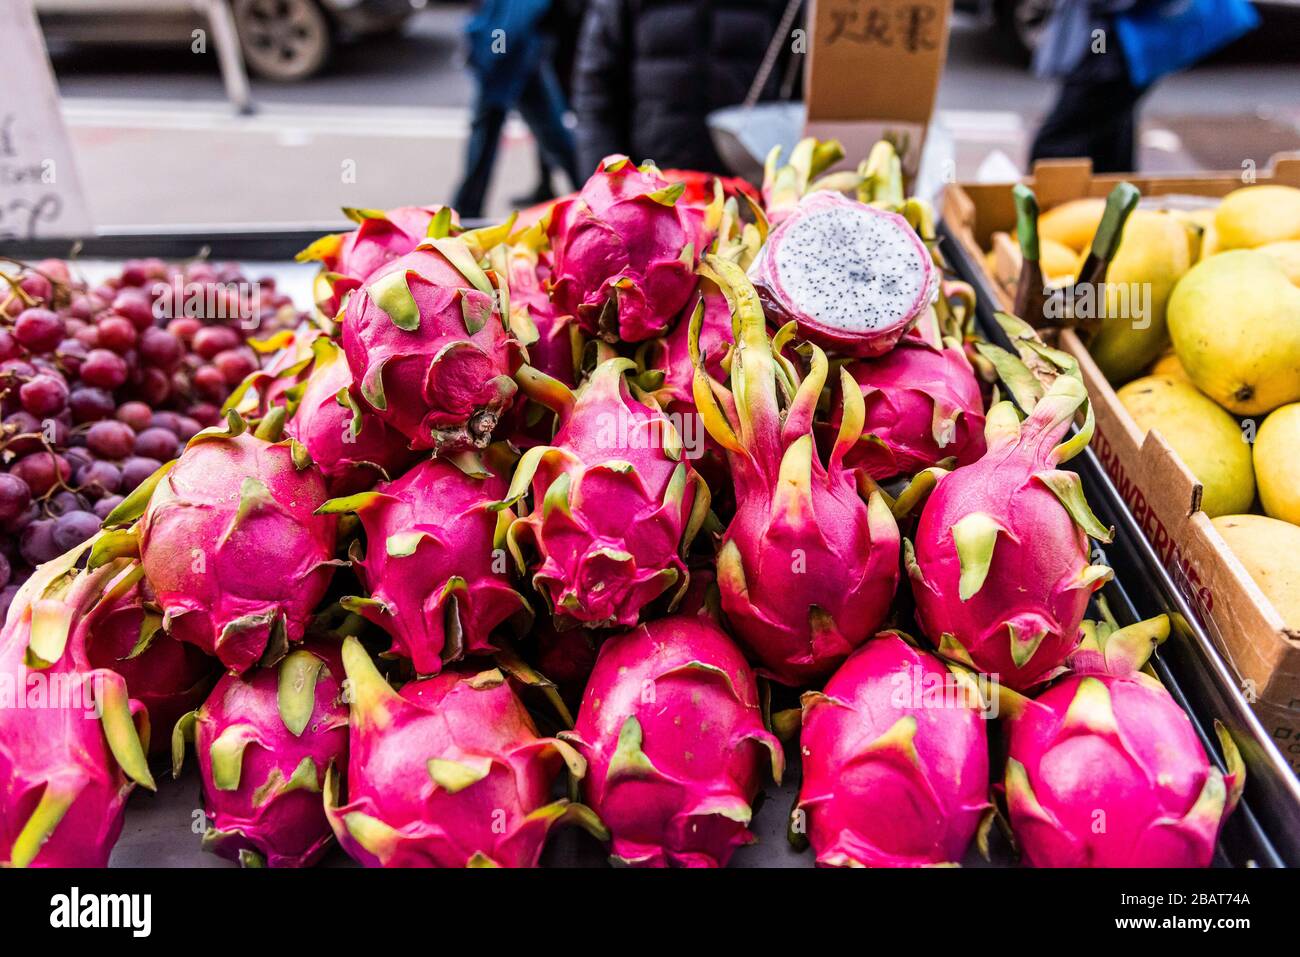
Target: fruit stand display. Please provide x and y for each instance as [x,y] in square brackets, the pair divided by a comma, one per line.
[1194,435]
[719,511]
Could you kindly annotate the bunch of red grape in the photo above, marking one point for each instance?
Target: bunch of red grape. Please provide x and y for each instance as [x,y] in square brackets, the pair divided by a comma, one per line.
[100,385]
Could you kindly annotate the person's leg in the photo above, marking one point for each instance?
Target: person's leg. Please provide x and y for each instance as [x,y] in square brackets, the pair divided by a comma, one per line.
[480,156]
[542,106]
[1094,116]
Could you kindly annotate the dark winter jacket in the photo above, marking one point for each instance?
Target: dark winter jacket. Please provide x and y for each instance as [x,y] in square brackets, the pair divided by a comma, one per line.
[649,72]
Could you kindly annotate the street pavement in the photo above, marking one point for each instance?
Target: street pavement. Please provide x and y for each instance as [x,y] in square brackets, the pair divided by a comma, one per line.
[386,125]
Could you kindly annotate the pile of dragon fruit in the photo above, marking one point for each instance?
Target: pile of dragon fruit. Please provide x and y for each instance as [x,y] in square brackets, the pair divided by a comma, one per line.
[603,516]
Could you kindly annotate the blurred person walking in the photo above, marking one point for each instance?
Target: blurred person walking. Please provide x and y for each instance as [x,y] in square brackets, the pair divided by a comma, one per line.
[561,25]
[1108,54]
[649,72]
[510,56]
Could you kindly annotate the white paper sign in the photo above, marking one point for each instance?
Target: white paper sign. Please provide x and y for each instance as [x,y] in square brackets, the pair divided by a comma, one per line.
[40,193]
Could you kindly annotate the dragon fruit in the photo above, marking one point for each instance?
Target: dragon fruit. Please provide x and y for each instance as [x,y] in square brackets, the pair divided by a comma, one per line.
[923,406]
[353,446]
[435,563]
[895,760]
[855,278]
[265,742]
[615,504]
[1000,568]
[625,251]
[124,633]
[231,544]
[427,329]
[449,772]
[673,735]
[1105,770]
[72,744]
[556,348]
[807,569]
[348,259]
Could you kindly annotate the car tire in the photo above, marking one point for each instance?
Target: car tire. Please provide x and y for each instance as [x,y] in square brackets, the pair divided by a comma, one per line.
[1020,24]
[283,40]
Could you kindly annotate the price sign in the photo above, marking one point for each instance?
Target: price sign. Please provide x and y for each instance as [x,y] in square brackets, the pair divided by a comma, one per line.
[40,194]
[873,69]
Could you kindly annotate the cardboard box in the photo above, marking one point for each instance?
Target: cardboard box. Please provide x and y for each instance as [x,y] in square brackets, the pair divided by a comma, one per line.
[856,43]
[1156,486]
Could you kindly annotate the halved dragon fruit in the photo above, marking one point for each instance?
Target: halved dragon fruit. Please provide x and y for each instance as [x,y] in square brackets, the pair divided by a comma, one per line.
[625,249]
[923,406]
[807,569]
[673,735]
[615,501]
[429,347]
[353,447]
[855,278]
[434,562]
[449,772]
[72,743]
[895,761]
[265,742]
[231,542]
[124,633]
[1104,769]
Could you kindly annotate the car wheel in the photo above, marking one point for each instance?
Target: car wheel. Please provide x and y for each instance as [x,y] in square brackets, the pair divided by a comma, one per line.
[283,40]
[1021,24]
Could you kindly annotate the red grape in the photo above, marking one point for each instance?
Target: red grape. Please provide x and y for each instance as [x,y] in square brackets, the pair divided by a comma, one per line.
[116,333]
[42,471]
[211,340]
[15,496]
[155,443]
[135,305]
[44,395]
[90,404]
[104,369]
[135,414]
[40,330]
[110,439]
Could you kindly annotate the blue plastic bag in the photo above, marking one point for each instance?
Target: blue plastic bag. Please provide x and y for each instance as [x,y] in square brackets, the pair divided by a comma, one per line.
[1163,38]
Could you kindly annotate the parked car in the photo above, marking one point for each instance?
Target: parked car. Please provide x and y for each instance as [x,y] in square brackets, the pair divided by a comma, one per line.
[282,40]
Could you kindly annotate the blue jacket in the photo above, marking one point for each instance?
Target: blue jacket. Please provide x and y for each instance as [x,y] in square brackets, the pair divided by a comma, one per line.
[505,44]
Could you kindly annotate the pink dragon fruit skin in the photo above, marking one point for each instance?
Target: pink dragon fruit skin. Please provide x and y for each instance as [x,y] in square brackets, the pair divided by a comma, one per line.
[354,447]
[72,743]
[124,633]
[673,735]
[895,761]
[1000,568]
[807,569]
[923,405]
[615,502]
[557,347]
[435,563]
[265,742]
[231,543]
[381,236]
[448,773]
[1104,769]
[855,278]
[625,252]
[429,350]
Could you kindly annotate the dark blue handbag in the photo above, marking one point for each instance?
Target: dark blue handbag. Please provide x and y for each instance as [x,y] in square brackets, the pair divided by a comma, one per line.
[1163,38]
